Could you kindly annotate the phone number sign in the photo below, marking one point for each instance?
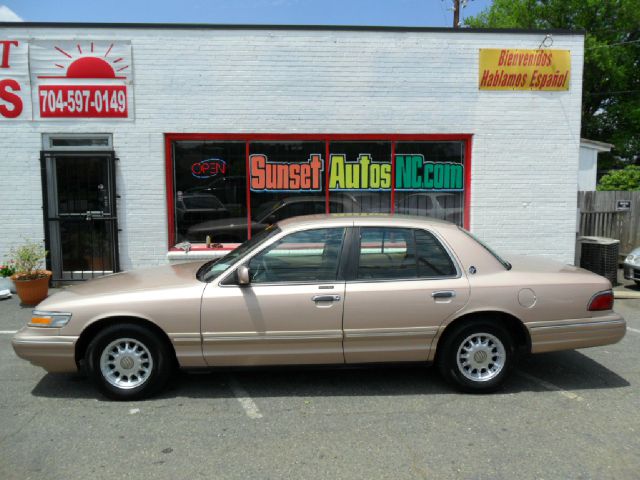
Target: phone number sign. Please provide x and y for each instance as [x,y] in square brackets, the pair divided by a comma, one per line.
[64,101]
[81,79]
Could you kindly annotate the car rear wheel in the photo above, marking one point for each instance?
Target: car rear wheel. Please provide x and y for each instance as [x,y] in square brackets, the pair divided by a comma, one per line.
[476,356]
[128,362]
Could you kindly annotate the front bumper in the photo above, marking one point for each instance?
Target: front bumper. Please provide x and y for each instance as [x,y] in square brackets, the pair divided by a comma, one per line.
[631,272]
[44,348]
[576,333]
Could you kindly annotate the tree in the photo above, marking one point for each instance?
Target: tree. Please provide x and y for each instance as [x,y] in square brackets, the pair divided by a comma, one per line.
[627,178]
[611,77]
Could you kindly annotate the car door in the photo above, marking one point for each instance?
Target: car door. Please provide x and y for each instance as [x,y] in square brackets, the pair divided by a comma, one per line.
[291,311]
[403,284]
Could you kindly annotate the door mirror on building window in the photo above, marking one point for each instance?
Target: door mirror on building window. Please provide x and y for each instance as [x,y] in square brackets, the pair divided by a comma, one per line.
[242,274]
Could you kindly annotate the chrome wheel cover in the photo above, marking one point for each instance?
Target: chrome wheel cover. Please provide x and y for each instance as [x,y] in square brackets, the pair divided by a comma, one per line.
[126,363]
[481,357]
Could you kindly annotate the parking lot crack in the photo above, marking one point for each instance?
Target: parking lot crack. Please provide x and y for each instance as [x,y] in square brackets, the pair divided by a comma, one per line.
[22,427]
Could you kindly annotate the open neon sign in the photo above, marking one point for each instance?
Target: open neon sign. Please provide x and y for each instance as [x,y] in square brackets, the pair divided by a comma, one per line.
[208,168]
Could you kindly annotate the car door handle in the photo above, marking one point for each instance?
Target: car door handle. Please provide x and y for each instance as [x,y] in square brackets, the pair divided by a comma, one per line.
[326,298]
[444,294]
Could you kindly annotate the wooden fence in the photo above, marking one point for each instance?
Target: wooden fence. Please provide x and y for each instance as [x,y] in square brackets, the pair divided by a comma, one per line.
[600,216]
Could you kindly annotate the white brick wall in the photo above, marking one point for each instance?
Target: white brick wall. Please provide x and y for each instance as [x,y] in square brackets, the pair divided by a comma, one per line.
[525,146]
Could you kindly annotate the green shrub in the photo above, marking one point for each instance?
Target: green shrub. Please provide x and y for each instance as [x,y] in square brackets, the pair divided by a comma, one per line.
[626,179]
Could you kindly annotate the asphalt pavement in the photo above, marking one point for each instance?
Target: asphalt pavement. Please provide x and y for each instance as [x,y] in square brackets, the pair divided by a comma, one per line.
[562,415]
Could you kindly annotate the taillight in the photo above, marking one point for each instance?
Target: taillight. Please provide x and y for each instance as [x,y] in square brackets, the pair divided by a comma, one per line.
[601,301]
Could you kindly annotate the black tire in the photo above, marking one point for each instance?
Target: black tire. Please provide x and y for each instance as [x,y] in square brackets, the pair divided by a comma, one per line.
[454,372]
[151,368]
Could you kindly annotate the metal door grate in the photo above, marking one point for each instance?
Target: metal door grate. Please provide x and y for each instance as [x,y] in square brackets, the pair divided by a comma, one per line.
[80,214]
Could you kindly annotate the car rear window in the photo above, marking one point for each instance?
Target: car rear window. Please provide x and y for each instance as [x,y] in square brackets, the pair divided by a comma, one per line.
[433,259]
[402,253]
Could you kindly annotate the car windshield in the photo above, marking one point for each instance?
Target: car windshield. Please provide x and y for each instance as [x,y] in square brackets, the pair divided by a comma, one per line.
[502,261]
[215,268]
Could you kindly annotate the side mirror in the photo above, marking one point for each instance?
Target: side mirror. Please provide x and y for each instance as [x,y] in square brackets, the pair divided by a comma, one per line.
[242,274]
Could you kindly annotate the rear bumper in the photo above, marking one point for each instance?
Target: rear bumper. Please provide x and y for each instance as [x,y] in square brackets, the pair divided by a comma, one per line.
[576,333]
[43,348]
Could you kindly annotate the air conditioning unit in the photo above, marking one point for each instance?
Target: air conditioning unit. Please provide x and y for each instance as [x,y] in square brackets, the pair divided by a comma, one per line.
[600,255]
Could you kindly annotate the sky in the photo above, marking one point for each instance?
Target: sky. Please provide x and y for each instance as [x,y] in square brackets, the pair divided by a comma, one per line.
[426,13]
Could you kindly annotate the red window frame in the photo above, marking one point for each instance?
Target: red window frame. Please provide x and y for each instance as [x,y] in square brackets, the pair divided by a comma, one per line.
[327,138]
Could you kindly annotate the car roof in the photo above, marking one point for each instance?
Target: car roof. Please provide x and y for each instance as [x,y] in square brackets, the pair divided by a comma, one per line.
[369,219]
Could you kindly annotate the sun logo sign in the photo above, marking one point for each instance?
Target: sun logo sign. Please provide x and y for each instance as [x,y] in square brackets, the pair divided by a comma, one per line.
[81,79]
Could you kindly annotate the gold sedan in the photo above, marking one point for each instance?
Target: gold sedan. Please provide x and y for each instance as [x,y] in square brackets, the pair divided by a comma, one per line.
[329,289]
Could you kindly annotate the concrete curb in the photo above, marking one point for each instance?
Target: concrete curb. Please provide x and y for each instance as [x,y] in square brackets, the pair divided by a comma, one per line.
[621,294]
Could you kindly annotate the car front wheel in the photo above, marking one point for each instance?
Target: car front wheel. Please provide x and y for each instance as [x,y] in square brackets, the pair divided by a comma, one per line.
[128,362]
[476,357]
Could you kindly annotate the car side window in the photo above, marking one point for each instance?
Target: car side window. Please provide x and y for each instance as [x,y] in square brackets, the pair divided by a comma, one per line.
[386,253]
[309,256]
[401,253]
[433,259]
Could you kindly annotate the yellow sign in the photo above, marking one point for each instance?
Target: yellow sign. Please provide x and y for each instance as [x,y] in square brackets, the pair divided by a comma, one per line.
[509,69]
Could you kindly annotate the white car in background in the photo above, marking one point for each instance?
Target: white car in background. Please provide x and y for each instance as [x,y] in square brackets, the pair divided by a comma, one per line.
[632,266]
[443,205]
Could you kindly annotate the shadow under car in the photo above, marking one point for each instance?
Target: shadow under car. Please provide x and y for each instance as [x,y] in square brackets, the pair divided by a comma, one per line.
[568,370]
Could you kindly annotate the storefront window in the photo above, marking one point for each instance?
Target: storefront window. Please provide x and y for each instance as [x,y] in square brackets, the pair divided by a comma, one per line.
[286,181]
[210,191]
[308,174]
[438,187]
[360,177]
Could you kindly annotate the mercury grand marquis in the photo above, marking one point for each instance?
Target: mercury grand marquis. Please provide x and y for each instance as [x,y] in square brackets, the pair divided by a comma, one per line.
[325,289]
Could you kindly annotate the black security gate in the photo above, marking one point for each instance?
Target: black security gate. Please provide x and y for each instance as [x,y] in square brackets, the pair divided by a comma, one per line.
[80,214]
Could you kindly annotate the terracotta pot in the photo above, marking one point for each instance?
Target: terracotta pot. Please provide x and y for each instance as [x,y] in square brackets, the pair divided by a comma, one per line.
[32,292]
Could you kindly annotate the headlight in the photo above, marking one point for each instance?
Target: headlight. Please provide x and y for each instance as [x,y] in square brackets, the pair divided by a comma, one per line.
[633,259]
[40,318]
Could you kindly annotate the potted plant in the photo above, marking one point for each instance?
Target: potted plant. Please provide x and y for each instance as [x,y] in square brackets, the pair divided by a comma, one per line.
[6,272]
[32,282]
